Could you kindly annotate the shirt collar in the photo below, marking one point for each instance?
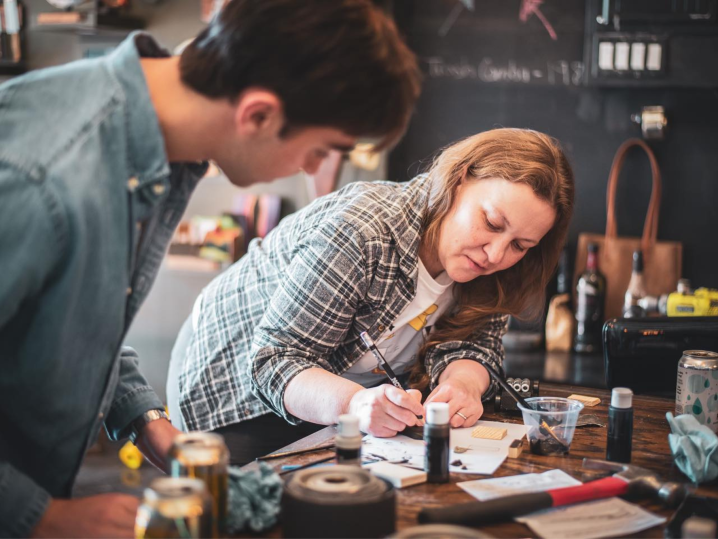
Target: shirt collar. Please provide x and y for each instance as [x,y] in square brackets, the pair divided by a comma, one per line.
[145,142]
[406,224]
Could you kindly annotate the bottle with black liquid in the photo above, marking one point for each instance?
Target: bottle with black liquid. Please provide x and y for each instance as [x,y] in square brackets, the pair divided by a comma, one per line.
[590,299]
[620,425]
[348,440]
[436,436]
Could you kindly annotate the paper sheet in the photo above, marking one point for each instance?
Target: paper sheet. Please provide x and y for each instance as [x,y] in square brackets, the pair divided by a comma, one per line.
[483,456]
[603,518]
[488,489]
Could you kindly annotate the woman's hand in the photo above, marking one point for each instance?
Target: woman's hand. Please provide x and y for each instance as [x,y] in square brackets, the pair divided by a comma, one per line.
[461,385]
[462,397]
[385,410]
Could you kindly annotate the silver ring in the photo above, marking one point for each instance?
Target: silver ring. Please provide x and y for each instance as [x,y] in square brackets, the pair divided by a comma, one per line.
[461,415]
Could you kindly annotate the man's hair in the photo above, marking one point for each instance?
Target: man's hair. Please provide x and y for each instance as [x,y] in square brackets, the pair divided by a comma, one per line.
[333,63]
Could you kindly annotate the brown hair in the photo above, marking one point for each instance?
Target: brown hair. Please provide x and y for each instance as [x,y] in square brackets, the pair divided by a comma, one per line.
[333,63]
[515,155]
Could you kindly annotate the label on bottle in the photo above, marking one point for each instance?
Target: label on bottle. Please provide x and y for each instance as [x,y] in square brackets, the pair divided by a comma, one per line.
[587,307]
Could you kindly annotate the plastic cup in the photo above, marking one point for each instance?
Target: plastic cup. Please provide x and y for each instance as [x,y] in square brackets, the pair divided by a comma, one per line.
[559,415]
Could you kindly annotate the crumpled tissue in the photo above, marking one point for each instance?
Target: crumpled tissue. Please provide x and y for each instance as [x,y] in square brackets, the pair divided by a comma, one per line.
[694,447]
[254,499]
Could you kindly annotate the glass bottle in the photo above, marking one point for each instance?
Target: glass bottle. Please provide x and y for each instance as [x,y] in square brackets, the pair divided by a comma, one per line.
[636,289]
[590,300]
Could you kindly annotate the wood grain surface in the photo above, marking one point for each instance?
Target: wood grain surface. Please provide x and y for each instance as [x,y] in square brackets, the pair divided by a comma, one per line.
[650,450]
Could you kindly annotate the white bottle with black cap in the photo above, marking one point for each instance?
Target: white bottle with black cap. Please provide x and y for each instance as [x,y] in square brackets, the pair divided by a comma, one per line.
[348,440]
[436,436]
[620,425]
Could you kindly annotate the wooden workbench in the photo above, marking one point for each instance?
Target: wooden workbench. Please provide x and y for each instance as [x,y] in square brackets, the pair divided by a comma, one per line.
[650,450]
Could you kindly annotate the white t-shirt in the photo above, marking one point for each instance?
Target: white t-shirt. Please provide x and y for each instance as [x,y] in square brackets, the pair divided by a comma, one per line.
[402,340]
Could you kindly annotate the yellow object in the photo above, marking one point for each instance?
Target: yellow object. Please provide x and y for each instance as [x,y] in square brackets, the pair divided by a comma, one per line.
[489,433]
[703,302]
[586,401]
[131,456]
[419,322]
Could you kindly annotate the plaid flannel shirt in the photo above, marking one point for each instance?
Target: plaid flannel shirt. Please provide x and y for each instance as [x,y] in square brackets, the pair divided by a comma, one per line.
[299,299]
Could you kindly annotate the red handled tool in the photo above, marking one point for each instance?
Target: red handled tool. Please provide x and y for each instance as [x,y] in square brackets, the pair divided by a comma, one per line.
[628,479]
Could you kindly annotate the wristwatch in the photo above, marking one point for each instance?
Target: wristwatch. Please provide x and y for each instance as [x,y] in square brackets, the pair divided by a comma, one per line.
[141,422]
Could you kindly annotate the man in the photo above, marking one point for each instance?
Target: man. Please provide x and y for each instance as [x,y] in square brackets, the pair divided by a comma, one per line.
[97,161]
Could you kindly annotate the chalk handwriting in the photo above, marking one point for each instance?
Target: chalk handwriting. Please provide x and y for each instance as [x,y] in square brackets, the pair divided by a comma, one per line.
[558,72]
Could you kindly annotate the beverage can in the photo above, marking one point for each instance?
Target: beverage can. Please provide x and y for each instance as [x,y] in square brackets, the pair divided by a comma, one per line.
[697,387]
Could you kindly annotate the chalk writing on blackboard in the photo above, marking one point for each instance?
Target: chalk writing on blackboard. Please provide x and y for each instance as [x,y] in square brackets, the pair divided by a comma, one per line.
[533,7]
[555,72]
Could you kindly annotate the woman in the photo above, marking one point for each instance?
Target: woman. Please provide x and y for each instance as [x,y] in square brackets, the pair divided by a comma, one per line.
[430,268]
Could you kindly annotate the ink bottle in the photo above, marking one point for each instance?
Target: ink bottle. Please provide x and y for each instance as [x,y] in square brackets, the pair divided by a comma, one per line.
[348,440]
[620,425]
[436,437]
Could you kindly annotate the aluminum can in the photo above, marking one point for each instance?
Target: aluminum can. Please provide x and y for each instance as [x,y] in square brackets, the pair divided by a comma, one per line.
[204,455]
[174,508]
[697,387]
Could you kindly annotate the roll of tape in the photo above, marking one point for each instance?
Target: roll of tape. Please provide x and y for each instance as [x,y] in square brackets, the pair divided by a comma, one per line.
[440,531]
[338,501]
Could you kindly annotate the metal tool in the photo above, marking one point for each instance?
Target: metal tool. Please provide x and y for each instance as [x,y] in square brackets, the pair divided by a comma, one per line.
[628,480]
[506,404]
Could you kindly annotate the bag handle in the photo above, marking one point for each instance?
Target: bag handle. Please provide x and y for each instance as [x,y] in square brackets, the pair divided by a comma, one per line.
[650,226]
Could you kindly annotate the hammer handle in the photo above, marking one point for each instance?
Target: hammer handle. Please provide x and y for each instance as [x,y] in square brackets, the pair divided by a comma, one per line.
[593,490]
[501,509]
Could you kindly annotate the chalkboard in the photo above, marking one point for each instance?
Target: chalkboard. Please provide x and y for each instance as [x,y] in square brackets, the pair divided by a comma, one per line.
[490,68]
[497,41]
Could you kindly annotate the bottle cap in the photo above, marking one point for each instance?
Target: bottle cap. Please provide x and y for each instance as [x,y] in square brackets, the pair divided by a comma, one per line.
[437,413]
[593,247]
[348,426]
[621,397]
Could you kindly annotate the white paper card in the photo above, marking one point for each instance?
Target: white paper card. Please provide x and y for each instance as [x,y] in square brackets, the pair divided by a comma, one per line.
[483,457]
[488,489]
[603,518]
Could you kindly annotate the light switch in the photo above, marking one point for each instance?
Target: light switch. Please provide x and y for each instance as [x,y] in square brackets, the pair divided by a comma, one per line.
[653,60]
[605,55]
[622,52]
[638,56]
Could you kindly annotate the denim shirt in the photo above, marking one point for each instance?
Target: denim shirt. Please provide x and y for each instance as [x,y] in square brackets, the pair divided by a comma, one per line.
[88,205]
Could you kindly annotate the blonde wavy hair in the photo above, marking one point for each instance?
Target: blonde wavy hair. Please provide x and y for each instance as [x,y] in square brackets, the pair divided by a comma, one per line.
[519,156]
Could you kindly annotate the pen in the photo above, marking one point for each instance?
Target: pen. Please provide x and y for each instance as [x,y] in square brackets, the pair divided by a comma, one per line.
[292,468]
[369,343]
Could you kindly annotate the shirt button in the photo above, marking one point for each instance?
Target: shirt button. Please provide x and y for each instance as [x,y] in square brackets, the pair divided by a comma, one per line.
[158,188]
[129,290]
[100,415]
[133,183]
